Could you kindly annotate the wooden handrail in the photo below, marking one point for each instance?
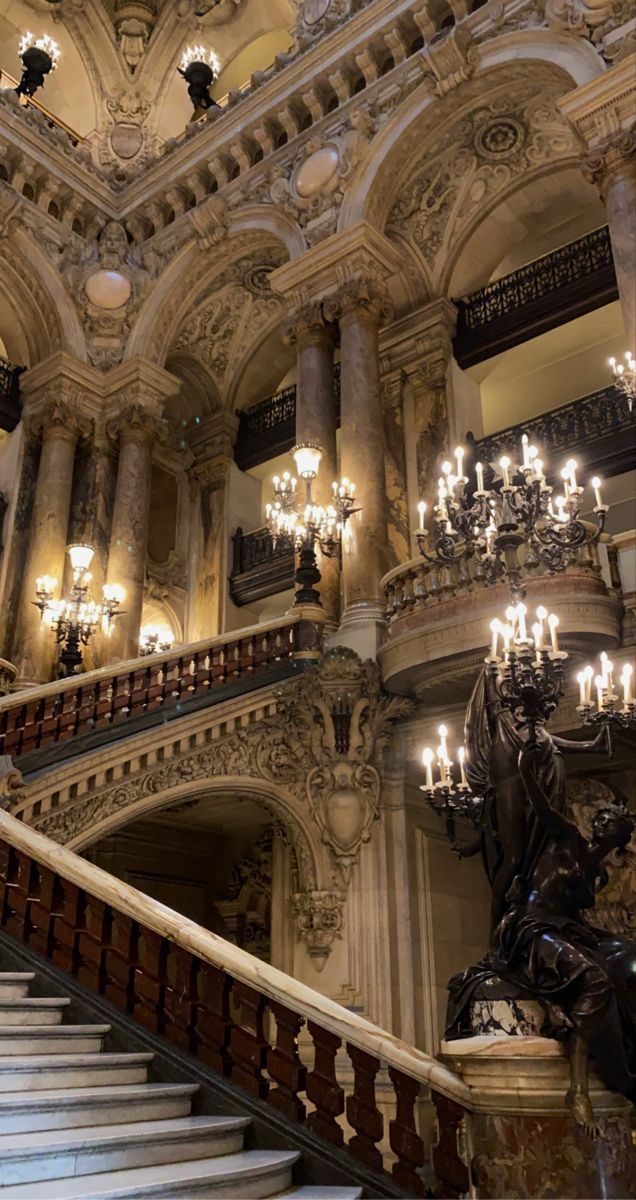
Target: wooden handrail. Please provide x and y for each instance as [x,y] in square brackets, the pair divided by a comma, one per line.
[55,712]
[211,997]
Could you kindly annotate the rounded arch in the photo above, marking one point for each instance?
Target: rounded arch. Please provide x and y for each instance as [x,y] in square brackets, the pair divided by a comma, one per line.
[34,292]
[573,60]
[314,870]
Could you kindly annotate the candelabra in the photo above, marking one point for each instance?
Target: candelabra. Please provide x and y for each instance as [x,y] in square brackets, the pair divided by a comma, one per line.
[491,525]
[609,711]
[450,797]
[155,639]
[528,676]
[39,57]
[625,377]
[310,526]
[200,67]
[75,619]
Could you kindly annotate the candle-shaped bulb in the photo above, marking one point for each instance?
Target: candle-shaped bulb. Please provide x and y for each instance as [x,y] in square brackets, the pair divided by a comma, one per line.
[461,754]
[427,758]
[626,681]
[537,467]
[600,692]
[495,629]
[537,635]
[582,688]
[480,477]
[446,468]
[571,468]
[504,463]
[525,442]
[521,611]
[421,508]
[553,622]
[459,455]
[276,481]
[597,484]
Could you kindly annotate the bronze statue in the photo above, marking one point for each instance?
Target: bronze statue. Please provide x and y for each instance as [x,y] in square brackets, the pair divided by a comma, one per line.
[542,947]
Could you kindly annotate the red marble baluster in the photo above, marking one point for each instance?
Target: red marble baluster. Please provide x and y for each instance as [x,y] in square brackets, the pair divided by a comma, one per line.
[104,694]
[151,979]
[120,961]
[363,1113]
[323,1088]
[92,936]
[284,1065]
[49,724]
[404,1138]
[180,997]
[67,724]
[451,1171]
[212,1021]
[22,881]
[248,1044]
[66,913]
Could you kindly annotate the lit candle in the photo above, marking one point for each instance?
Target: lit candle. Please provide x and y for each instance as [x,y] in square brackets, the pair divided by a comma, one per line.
[571,467]
[443,734]
[459,455]
[334,488]
[542,614]
[561,513]
[508,633]
[537,467]
[525,443]
[276,481]
[582,688]
[504,463]
[537,633]
[480,477]
[626,680]
[588,672]
[605,668]
[596,484]
[565,476]
[511,617]
[461,754]
[521,620]
[428,757]
[495,628]
[553,622]
[421,508]
[599,692]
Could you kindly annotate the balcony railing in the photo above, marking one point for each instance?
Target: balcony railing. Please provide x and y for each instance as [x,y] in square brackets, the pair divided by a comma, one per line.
[568,282]
[9,395]
[268,428]
[598,428]
[259,569]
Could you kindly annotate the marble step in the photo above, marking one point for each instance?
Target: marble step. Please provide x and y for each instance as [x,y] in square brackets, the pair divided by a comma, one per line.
[33,1010]
[250,1175]
[51,1039]
[14,984]
[322,1193]
[68,1153]
[69,1108]
[34,1071]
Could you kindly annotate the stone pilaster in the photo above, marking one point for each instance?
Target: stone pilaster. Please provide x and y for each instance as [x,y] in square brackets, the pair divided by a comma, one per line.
[602,113]
[213,450]
[313,336]
[59,424]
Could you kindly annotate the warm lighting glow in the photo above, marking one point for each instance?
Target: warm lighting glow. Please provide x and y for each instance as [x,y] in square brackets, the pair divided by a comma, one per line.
[200,54]
[81,557]
[44,43]
[114,593]
[307,458]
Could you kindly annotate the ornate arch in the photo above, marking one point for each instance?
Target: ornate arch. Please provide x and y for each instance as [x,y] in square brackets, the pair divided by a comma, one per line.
[34,289]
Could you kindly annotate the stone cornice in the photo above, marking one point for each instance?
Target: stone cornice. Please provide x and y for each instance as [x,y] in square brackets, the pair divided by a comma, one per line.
[319,272]
[605,107]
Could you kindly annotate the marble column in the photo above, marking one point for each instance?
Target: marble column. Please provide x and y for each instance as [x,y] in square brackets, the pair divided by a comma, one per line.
[612,167]
[316,422]
[138,428]
[60,428]
[360,307]
[209,579]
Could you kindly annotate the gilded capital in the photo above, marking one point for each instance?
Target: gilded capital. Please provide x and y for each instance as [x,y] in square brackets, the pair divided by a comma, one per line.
[609,158]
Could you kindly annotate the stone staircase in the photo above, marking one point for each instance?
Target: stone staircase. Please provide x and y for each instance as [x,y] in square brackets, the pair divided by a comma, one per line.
[77,1121]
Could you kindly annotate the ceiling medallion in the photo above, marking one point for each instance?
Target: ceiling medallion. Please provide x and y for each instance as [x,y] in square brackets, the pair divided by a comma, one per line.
[499,138]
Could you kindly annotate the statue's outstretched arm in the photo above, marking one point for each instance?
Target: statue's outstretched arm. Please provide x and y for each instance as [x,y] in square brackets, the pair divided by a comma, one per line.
[557,824]
[600,743]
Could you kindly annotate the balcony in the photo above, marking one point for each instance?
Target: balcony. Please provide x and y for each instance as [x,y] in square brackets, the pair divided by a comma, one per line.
[439,622]
[598,428]
[10,407]
[575,279]
[268,428]
[259,569]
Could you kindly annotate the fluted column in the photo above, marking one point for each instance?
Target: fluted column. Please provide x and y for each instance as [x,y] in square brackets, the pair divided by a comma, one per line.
[59,424]
[602,113]
[359,307]
[138,428]
[316,422]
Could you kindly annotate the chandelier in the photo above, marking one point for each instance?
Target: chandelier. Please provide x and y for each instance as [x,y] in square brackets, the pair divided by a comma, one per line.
[155,639]
[625,377]
[39,57]
[490,525]
[75,619]
[305,527]
[526,667]
[200,67]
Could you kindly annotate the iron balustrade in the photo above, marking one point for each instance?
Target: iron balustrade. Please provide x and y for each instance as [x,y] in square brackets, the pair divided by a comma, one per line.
[268,428]
[10,407]
[34,719]
[234,1013]
[260,567]
[598,429]
[559,286]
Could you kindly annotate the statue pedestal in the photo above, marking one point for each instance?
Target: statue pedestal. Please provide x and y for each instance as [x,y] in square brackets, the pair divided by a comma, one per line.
[522,1141]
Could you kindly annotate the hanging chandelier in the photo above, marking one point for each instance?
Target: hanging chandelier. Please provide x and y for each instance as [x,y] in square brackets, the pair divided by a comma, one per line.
[491,525]
[625,377]
[155,639]
[75,619]
[306,526]
[200,68]
[39,57]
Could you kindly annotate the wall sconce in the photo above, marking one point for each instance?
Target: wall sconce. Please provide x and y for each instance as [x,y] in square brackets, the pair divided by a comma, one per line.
[75,619]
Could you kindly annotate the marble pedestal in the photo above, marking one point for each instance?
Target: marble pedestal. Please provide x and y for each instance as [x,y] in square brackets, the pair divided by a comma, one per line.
[522,1141]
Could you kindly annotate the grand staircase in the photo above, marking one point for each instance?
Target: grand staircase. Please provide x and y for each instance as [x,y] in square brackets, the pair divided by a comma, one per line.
[78,1121]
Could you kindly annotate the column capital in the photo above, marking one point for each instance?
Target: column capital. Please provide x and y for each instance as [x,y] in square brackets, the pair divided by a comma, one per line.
[360,251]
[142,383]
[306,323]
[602,114]
[138,424]
[214,438]
[421,344]
[56,416]
[610,157]
[363,293]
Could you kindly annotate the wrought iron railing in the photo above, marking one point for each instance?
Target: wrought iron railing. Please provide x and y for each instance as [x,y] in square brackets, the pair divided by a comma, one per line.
[599,428]
[259,568]
[268,428]
[568,282]
[9,395]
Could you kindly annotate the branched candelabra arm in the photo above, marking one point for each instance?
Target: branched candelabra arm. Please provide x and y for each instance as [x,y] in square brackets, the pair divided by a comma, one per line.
[608,711]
